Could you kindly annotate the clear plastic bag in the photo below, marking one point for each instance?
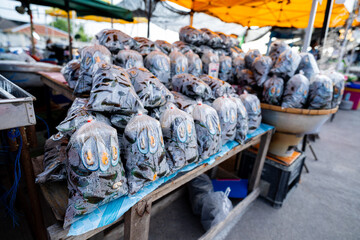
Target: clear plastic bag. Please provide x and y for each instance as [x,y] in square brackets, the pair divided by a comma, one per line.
[178,63]
[77,115]
[181,46]
[276,48]
[183,102]
[191,35]
[273,90]
[261,68]
[296,92]
[338,80]
[159,64]
[164,46]
[54,159]
[225,68]
[226,42]
[250,57]
[227,112]
[89,56]
[144,152]
[207,58]
[119,121]
[191,86]
[194,63]
[114,40]
[246,77]
[144,46]
[219,88]
[216,207]
[320,92]
[308,65]
[253,109]
[242,125]
[113,92]
[150,90]
[238,64]
[286,64]
[213,39]
[208,130]
[128,59]
[180,138]
[95,172]
[203,49]
[71,72]
[199,187]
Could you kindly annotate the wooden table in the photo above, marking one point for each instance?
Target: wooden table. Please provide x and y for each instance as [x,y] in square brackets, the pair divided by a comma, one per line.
[137,219]
[57,82]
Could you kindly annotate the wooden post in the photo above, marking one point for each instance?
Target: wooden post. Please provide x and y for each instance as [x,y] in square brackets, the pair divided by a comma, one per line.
[137,221]
[31,30]
[27,169]
[259,161]
[69,28]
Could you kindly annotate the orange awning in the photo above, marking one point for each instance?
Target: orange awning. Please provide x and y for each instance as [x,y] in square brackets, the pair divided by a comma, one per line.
[285,13]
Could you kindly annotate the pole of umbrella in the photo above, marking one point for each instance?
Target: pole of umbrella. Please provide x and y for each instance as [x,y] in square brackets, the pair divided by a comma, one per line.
[149,17]
[31,30]
[327,17]
[111,20]
[69,28]
[310,26]
[191,17]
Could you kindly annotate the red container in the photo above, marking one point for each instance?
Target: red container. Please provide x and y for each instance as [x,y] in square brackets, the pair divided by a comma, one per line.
[354,96]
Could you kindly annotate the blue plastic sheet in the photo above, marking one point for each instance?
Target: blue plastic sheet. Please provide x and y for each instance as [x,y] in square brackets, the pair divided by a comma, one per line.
[110,212]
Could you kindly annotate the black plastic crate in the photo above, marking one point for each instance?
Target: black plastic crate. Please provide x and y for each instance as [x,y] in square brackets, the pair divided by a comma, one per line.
[277,180]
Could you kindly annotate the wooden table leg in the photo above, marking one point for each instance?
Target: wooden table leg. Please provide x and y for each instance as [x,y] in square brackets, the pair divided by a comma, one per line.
[137,221]
[27,168]
[259,161]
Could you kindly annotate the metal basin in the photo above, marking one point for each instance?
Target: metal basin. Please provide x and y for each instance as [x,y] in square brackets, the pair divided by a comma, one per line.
[291,125]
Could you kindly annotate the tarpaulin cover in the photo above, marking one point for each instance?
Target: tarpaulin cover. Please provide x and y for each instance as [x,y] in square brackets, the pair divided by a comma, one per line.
[110,212]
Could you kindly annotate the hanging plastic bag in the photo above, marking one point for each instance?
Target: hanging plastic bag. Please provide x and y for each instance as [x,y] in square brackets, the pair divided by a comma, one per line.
[199,187]
[226,110]
[216,207]
[71,72]
[113,92]
[164,46]
[308,65]
[128,59]
[296,92]
[150,90]
[159,64]
[214,40]
[178,63]
[338,80]
[253,109]
[273,90]
[194,63]
[208,130]
[286,64]
[276,48]
[114,40]
[225,68]
[180,138]
[95,172]
[320,92]
[191,35]
[219,88]
[261,68]
[183,102]
[54,159]
[89,56]
[144,46]
[207,59]
[77,115]
[144,152]
[250,57]
[191,86]
[242,125]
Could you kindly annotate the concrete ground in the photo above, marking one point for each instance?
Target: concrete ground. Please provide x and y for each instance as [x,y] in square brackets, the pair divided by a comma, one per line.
[326,205]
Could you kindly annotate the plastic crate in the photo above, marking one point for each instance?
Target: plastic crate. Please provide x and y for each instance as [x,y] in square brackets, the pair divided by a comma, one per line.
[238,187]
[277,178]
